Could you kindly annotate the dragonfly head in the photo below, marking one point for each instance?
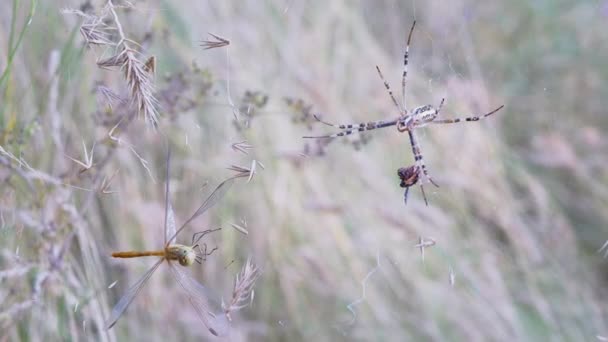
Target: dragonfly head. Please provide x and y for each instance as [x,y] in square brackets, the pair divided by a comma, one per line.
[185,255]
[188,257]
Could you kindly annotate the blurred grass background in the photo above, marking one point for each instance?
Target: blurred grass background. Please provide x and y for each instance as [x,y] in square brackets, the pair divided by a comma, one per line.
[518,219]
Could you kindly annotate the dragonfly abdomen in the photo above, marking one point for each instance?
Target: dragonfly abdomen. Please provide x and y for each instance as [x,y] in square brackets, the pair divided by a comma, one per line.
[137,254]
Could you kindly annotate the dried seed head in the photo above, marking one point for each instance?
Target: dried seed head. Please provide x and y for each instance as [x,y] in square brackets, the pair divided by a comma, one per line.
[242,293]
[212,44]
[150,65]
[242,146]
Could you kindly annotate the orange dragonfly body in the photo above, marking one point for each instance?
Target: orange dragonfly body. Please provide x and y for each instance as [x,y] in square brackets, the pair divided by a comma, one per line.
[183,254]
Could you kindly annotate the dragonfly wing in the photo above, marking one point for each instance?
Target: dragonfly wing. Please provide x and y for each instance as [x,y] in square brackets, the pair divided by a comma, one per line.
[215,196]
[170,225]
[169,215]
[128,297]
[200,297]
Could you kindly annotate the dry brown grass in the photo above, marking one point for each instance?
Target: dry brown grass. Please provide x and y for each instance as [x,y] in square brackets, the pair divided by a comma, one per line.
[517,221]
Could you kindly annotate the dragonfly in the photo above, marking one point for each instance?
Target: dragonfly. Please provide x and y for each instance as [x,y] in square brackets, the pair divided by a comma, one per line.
[172,254]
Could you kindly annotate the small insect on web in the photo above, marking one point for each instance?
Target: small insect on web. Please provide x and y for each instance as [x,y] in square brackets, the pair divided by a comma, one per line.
[407,121]
[409,177]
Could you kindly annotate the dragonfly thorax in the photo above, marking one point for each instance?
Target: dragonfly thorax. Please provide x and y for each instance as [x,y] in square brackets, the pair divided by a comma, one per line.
[185,255]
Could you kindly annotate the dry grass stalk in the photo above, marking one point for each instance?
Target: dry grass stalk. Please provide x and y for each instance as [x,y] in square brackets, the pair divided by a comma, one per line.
[242,293]
[246,172]
[424,243]
[15,271]
[150,65]
[88,159]
[103,188]
[106,97]
[604,248]
[212,44]
[120,141]
[452,277]
[242,146]
[137,73]
[240,228]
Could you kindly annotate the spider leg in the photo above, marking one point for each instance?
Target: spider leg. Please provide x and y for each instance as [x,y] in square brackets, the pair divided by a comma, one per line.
[340,126]
[405,59]
[440,106]
[419,160]
[471,118]
[424,195]
[353,128]
[388,88]
[365,125]
[405,195]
